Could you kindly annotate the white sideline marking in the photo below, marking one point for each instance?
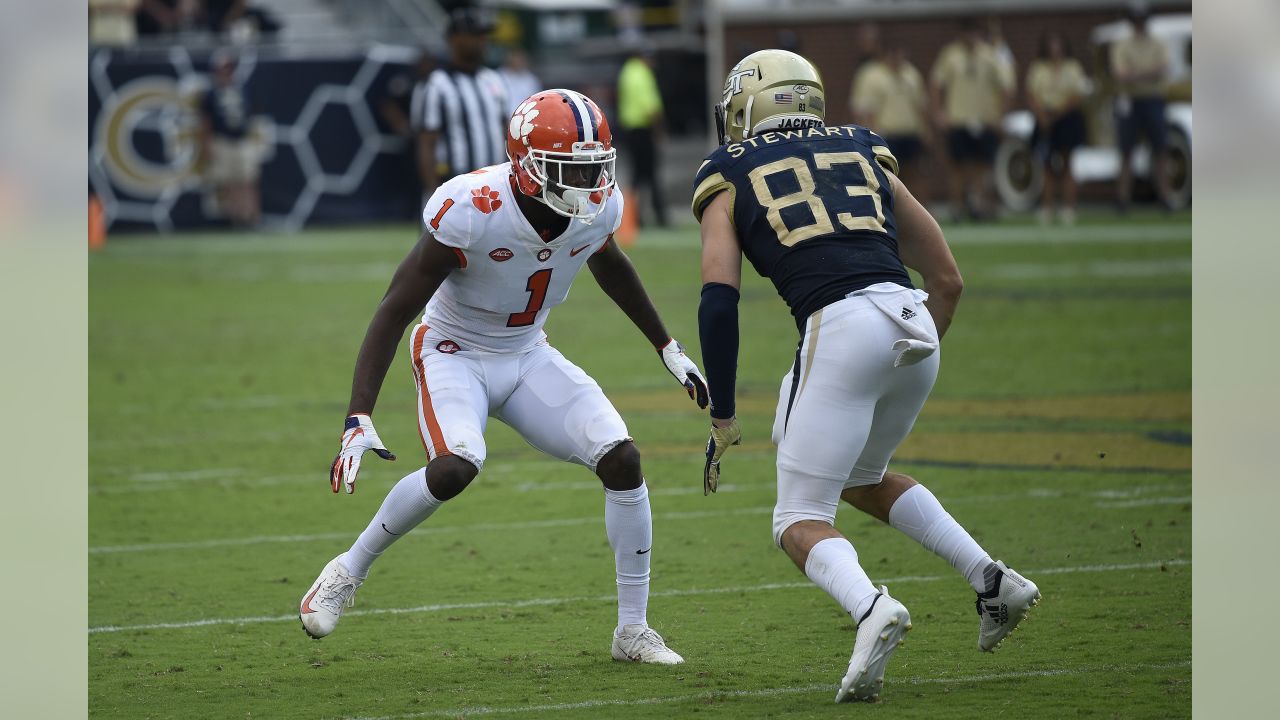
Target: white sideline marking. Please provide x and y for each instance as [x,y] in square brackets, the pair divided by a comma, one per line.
[428,530]
[186,475]
[772,692]
[1144,501]
[536,602]
[1098,268]
[1033,493]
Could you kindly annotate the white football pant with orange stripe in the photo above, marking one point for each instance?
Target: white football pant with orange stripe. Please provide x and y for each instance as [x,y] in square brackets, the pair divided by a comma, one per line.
[552,403]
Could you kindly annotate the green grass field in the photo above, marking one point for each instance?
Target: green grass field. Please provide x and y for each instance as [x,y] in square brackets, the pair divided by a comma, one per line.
[219,367]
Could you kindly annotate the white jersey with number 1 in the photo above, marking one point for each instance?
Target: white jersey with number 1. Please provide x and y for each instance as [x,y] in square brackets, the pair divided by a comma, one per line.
[509,278]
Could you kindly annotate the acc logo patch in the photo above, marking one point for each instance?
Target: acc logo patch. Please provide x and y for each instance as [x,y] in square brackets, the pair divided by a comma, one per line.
[501,255]
[801,89]
[543,254]
[485,200]
[448,347]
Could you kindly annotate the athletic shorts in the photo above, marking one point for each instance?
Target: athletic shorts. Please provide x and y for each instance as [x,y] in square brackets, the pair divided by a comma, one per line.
[1064,135]
[965,145]
[844,408]
[233,161]
[905,148]
[1145,118]
[554,405]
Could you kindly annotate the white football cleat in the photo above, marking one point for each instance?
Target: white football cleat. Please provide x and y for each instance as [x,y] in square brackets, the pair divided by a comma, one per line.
[880,632]
[1005,603]
[641,643]
[323,604]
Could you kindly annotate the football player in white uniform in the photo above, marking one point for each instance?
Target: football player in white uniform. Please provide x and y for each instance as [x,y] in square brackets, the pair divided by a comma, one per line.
[501,248]
[820,211]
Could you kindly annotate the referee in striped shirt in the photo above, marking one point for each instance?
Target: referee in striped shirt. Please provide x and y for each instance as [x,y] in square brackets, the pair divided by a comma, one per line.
[459,113]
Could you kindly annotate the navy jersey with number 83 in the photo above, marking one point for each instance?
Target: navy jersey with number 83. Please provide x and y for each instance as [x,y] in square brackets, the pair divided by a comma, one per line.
[813,210]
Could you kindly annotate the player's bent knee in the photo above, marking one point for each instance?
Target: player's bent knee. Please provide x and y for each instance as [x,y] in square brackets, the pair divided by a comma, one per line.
[619,469]
[449,475]
[785,520]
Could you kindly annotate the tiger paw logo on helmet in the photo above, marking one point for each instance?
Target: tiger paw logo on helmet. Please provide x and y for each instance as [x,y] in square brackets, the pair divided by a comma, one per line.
[522,121]
[485,200]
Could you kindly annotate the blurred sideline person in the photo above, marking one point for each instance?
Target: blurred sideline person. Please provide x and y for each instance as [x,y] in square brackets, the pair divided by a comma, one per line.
[640,115]
[819,211]
[971,88]
[395,107]
[459,113]
[502,245]
[111,23]
[1140,65]
[232,155]
[889,96]
[519,80]
[1056,85]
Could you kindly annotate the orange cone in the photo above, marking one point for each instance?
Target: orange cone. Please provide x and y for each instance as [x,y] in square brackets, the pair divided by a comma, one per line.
[630,227]
[97,224]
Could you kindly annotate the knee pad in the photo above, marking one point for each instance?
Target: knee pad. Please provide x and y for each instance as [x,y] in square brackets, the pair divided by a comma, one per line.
[784,518]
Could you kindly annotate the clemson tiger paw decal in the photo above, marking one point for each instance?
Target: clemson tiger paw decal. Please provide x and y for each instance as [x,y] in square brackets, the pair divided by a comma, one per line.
[485,200]
[522,121]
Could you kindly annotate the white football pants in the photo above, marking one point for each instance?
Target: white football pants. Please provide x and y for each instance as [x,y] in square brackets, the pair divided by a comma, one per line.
[844,408]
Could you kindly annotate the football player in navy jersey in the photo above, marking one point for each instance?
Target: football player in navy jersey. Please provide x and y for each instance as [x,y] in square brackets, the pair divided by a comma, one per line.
[820,212]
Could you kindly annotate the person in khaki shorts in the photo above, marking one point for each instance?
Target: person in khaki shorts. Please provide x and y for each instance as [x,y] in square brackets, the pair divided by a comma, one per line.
[1056,85]
[232,156]
[1139,65]
[971,88]
[889,97]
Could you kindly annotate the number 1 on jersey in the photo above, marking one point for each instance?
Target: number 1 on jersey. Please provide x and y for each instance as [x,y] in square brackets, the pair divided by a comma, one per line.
[537,288]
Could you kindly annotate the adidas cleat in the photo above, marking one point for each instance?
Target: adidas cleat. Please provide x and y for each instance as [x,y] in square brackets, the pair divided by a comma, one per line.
[880,632]
[1008,598]
[642,644]
[322,606]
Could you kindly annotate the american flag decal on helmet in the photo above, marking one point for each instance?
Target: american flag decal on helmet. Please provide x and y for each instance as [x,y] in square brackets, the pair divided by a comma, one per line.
[783,98]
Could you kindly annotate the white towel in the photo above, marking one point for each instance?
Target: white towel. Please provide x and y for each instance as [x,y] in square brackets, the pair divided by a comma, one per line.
[904,306]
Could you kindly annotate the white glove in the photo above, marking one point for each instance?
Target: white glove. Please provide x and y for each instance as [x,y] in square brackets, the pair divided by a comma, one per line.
[358,437]
[720,440]
[685,371]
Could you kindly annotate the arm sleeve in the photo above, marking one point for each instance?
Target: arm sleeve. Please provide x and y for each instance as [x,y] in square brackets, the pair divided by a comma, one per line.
[718,332]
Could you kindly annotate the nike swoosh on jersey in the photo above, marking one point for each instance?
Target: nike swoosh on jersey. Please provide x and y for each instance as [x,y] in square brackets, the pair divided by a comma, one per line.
[575,251]
[641,552]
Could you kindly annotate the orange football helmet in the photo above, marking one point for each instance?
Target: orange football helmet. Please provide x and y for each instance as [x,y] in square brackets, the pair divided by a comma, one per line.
[562,152]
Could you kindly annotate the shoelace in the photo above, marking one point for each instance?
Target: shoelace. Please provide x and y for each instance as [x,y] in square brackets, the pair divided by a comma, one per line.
[651,637]
[336,593]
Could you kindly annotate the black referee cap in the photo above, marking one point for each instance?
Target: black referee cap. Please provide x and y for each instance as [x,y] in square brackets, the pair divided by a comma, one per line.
[470,20]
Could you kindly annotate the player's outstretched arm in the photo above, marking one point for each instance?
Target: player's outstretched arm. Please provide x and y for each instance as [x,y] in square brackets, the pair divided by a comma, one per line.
[718,330]
[618,278]
[414,282]
[924,249]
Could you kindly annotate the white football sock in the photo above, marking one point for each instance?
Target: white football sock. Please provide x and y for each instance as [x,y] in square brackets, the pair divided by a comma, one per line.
[629,525]
[406,506]
[919,515]
[833,565]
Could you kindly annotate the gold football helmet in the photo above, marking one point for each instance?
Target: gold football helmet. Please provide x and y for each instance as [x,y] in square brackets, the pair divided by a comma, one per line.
[770,90]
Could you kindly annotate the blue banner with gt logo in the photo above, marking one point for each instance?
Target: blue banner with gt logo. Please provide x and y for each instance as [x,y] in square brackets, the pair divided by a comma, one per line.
[325,154]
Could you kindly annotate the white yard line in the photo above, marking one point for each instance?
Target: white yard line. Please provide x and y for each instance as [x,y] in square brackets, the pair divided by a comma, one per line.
[421,531]
[536,602]
[1143,502]
[1098,268]
[773,692]
[1031,494]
